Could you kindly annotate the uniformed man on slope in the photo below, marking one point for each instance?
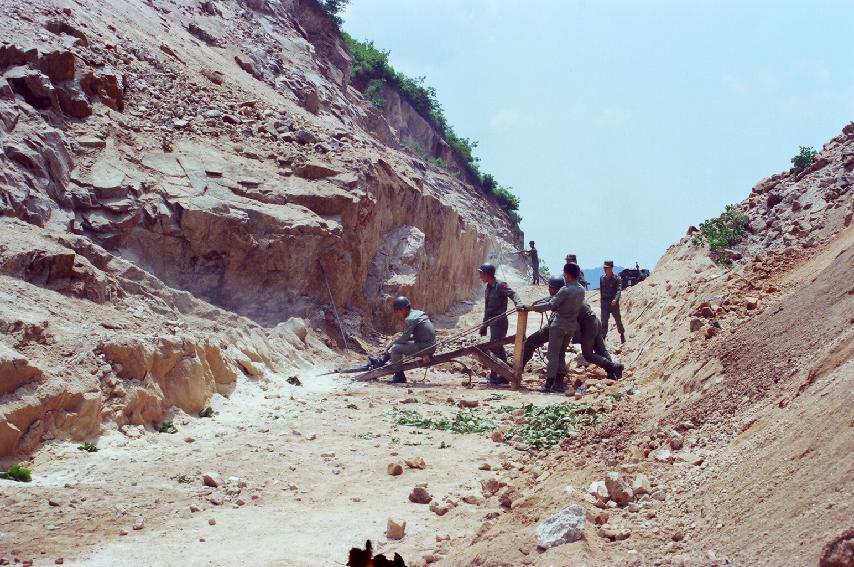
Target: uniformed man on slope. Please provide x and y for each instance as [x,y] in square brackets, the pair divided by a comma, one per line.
[418,336]
[495,303]
[566,304]
[535,263]
[610,288]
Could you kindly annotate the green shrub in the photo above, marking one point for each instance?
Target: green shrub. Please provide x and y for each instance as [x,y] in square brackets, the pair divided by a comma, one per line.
[371,70]
[804,158]
[373,92]
[720,232]
[17,473]
[334,8]
[88,447]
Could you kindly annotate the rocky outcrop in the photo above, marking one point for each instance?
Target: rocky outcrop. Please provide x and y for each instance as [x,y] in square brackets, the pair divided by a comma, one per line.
[168,213]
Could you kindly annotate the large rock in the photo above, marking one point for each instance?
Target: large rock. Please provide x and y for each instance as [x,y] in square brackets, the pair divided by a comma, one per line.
[58,65]
[15,370]
[34,86]
[72,100]
[566,526]
[108,85]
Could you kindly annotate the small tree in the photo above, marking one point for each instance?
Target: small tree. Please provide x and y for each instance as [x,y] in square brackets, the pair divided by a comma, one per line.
[334,8]
[805,157]
[720,232]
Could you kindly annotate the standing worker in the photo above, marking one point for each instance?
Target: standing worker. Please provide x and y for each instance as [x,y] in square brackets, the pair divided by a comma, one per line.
[541,337]
[495,303]
[418,335]
[572,259]
[610,288]
[535,264]
[566,304]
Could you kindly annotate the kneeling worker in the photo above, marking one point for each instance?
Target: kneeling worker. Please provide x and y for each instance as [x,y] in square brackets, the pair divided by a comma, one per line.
[566,304]
[418,335]
[593,345]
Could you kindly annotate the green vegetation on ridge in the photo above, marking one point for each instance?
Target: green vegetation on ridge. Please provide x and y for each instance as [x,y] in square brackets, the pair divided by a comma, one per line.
[372,71]
[720,232]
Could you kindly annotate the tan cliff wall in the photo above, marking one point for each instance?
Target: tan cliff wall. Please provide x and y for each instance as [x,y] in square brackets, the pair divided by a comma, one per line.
[170,175]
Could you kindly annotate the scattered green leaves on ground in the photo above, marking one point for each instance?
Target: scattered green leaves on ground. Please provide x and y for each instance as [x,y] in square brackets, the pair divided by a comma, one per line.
[294,381]
[368,435]
[463,421]
[546,426]
[722,231]
[166,427]
[182,478]
[495,396]
[17,473]
[806,156]
[352,406]
[88,447]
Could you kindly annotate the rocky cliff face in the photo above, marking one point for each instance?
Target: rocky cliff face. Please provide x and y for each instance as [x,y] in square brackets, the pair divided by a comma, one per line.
[176,178]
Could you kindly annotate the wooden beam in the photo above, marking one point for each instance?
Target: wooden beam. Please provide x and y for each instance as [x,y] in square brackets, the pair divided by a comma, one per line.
[518,348]
[494,364]
[435,360]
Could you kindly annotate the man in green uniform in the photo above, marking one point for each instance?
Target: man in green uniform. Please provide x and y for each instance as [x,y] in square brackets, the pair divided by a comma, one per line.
[589,334]
[535,263]
[495,303]
[541,337]
[610,288]
[566,304]
[573,259]
[418,335]
[593,343]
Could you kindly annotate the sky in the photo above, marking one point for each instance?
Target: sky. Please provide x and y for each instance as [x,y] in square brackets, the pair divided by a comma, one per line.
[621,123]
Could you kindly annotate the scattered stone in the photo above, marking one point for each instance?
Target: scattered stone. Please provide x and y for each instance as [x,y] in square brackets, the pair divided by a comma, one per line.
[618,490]
[566,526]
[598,516]
[395,530]
[211,521]
[678,535]
[641,485]
[194,508]
[599,491]
[695,324]
[139,523]
[507,498]
[472,499]
[439,509]
[52,502]
[92,142]
[485,467]
[490,486]
[416,463]
[212,479]
[468,404]
[394,469]
[663,455]
[751,302]
[614,533]
[59,561]
[497,436]
[123,531]
[420,495]
[660,494]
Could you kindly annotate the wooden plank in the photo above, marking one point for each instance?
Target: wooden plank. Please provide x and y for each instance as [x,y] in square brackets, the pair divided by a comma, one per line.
[518,348]
[435,360]
[494,364]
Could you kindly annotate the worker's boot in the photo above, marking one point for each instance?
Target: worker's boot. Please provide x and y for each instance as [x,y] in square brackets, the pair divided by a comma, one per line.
[559,385]
[622,337]
[616,370]
[398,378]
[547,387]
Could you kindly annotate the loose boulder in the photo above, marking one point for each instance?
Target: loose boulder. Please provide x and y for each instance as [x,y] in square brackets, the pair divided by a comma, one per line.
[566,526]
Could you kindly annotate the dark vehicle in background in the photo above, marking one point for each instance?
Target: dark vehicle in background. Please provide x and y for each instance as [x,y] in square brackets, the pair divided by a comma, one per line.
[631,277]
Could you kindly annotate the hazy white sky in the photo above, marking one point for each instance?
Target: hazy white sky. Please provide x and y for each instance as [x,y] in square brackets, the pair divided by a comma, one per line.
[621,123]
